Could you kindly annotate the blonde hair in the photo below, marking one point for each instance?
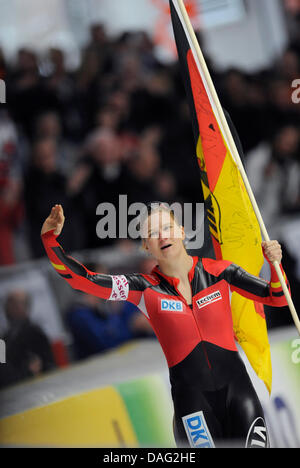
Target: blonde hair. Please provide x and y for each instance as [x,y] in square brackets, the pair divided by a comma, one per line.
[152,208]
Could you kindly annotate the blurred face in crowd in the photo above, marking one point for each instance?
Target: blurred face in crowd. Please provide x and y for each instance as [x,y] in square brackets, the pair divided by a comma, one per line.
[151,136]
[119,102]
[98,34]
[280,94]
[44,157]
[57,58]
[89,67]
[165,185]
[287,142]
[48,125]
[290,64]
[236,87]
[162,235]
[16,306]
[159,84]
[146,163]
[27,61]
[105,148]
[107,118]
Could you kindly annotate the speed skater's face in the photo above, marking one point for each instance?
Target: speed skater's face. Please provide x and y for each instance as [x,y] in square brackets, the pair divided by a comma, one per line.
[162,235]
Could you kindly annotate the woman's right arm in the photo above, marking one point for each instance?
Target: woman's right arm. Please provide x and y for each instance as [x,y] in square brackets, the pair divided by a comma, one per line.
[110,287]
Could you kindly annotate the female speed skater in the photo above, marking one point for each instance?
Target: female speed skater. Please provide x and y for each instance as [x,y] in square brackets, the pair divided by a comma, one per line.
[186,299]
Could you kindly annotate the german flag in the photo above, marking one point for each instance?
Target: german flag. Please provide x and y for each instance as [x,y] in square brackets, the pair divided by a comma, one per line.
[234,230]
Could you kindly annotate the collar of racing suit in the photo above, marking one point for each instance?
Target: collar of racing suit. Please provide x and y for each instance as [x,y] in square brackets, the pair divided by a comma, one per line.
[172,280]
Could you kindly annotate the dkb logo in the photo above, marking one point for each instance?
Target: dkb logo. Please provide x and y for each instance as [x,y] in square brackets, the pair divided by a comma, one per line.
[2,352]
[197,430]
[2,92]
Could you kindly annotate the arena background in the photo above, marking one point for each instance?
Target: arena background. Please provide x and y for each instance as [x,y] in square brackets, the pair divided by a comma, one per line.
[95,107]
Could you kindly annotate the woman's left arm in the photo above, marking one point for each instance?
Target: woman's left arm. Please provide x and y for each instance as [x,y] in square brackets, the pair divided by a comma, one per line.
[255,288]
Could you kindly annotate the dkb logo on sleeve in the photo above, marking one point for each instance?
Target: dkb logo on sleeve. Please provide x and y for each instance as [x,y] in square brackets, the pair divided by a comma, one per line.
[197,431]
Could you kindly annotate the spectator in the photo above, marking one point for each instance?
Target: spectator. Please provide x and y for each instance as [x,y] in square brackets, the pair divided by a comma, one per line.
[286,151]
[11,196]
[2,65]
[48,125]
[27,95]
[141,177]
[62,85]
[166,187]
[281,110]
[177,145]
[44,185]
[10,164]
[28,350]
[152,102]
[98,177]
[100,44]
[274,174]
[288,65]
[237,101]
[11,216]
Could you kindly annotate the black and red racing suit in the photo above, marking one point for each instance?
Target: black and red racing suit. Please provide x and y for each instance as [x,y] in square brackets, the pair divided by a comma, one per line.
[212,393]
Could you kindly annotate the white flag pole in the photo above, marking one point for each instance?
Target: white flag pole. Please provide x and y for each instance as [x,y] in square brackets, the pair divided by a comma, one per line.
[227,133]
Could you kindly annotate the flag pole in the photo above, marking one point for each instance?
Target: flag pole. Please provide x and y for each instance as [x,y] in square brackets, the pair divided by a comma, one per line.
[234,151]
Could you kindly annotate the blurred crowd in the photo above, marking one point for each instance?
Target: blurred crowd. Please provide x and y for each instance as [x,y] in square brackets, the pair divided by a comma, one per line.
[94,326]
[28,351]
[120,124]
